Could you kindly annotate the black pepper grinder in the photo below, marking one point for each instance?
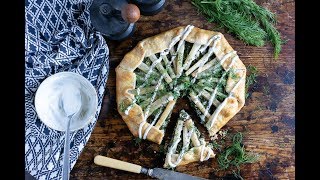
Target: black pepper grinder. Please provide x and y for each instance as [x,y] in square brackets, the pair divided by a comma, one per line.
[149,7]
[114,18]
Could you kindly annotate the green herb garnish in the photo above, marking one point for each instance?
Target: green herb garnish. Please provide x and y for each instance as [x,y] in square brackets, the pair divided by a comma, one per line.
[122,106]
[137,141]
[215,146]
[235,155]
[251,78]
[250,22]
[266,90]
[232,74]
[162,149]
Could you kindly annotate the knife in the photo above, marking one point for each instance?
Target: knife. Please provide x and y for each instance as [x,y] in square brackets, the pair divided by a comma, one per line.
[158,173]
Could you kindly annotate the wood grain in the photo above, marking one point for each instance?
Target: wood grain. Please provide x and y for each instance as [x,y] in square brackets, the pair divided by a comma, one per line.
[267,120]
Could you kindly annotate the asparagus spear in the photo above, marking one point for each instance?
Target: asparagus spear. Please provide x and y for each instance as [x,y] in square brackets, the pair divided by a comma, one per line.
[145,90]
[173,57]
[203,60]
[213,71]
[165,113]
[198,104]
[151,80]
[191,56]
[207,96]
[205,67]
[160,68]
[159,102]
[143,67]
[168,66]
[179,59]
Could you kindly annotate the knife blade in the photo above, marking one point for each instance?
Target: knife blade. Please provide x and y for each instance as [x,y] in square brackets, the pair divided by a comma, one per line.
[158,173]
[164,174]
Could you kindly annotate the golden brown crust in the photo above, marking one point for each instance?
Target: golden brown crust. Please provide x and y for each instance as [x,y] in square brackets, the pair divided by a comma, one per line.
[126,79]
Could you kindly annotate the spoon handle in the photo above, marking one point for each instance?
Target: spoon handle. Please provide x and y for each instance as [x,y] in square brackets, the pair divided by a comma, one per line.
[65,169]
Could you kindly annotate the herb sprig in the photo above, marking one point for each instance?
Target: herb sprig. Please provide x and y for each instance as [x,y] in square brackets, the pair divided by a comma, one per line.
[251,78]
[235,155]
[137,141]
[250,22]
[122,106]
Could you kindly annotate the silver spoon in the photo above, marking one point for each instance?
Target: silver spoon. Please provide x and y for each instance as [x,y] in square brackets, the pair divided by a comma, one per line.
[70,108]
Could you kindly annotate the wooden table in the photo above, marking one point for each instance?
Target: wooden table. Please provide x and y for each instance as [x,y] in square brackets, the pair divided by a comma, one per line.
[267,120]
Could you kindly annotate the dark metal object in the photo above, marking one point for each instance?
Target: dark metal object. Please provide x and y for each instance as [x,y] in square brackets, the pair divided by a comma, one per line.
[28,176]
[106,17]
[164,174]
[149,7]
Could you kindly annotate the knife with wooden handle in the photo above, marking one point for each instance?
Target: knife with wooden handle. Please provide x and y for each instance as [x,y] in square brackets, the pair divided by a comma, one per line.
[158,173]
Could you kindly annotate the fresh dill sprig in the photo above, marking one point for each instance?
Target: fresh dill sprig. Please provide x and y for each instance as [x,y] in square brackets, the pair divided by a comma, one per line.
[219,11]
[137,141]
[250,22]
[235,155]
[232,74]
[162,149]
[122,106]
[266,18]
[251,78]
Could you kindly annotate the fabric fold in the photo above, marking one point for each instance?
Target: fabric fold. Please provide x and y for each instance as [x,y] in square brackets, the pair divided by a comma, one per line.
[59,37]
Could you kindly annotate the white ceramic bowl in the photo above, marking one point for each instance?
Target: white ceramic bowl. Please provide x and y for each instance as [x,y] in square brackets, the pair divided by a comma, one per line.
[48,93]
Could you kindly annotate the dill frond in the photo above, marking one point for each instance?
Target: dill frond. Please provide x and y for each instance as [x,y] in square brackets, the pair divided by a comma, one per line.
[251,78]
[122,106]
[243,26]
[248,21]
[265,17]
[137,141]
[274,36]
[235,155]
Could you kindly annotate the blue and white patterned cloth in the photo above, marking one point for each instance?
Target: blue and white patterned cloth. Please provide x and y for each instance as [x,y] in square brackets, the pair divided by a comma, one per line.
[59,37]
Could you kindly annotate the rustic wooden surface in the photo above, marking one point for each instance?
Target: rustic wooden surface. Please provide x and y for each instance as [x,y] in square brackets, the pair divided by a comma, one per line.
[267,119]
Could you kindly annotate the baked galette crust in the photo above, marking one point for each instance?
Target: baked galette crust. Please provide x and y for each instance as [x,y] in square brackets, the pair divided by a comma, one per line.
[126,79]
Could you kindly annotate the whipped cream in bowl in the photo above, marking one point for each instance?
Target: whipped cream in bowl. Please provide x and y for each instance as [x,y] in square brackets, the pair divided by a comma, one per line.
[55,91]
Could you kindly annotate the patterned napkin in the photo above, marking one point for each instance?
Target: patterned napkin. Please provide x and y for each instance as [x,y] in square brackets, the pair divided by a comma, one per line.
[58,37]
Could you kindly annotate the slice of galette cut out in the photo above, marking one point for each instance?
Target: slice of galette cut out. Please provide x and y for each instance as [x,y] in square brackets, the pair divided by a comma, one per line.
[184,61]
[187,145]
